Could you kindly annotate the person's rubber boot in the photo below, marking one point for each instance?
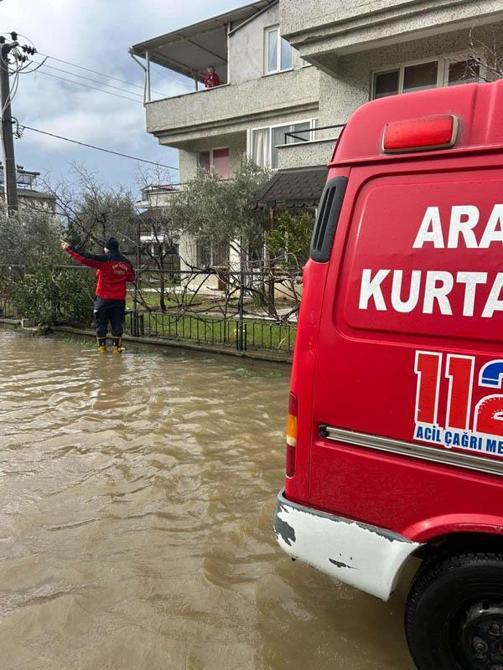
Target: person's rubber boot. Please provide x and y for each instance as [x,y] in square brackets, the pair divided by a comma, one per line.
[117,347]
[102,345]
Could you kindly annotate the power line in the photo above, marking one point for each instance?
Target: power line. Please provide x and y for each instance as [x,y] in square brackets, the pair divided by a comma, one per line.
[87,69]
[93,88]
[93,146]
[95,81]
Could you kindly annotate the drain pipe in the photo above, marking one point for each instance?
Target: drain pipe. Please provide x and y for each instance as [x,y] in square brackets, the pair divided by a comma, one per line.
[147,95]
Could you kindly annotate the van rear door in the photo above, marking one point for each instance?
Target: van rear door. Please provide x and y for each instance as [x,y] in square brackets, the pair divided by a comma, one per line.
[412,312]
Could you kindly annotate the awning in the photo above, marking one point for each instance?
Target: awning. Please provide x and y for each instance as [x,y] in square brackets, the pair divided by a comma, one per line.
[296,187]
[190,50]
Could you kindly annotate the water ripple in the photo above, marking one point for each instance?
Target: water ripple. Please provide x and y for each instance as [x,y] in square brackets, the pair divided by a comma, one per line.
[135,506]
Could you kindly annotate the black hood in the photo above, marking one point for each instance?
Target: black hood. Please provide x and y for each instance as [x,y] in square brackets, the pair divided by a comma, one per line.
[113,250]
[112,245]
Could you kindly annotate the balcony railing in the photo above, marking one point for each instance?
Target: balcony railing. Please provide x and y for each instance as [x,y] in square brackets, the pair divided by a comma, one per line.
[312,134]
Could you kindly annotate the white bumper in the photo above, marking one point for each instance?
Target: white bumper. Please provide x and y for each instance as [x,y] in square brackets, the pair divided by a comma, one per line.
[366,557]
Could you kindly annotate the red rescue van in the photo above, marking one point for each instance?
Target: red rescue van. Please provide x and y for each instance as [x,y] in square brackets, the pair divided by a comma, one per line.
[395,428]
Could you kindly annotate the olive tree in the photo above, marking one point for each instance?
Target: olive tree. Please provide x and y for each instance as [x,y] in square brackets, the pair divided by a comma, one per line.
[30,238]
[215,211]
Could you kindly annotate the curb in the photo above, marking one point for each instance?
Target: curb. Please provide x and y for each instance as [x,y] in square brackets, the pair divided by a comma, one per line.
[158,342]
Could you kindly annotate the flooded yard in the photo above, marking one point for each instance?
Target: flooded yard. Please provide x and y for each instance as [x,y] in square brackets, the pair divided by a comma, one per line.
[137,495]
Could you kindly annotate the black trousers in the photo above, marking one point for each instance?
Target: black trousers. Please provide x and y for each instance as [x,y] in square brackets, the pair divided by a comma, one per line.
[109,311]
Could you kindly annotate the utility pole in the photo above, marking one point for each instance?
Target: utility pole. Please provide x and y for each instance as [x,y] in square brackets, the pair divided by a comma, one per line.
[13,60]
[9,161]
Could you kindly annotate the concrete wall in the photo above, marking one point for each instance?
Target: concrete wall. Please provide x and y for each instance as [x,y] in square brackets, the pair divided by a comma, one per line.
[343,92]
[317,27]
[305,153]
[300,16]
[232,108]
[247,48]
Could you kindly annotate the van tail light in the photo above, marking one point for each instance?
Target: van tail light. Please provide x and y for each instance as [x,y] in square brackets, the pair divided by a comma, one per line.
[291,435]
[429,132]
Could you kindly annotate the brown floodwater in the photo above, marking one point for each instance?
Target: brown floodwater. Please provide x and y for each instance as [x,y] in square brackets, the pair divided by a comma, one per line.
[136,497]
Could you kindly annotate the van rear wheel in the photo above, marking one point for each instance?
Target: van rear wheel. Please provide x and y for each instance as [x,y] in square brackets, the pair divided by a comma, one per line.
[454,613]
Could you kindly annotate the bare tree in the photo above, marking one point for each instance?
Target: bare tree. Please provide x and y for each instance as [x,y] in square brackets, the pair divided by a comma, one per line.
[485,61]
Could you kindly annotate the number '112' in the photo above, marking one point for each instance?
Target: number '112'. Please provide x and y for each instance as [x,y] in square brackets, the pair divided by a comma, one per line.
[459,371]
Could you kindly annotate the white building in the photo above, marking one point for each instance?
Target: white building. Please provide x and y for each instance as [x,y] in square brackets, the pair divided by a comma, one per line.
[293,71]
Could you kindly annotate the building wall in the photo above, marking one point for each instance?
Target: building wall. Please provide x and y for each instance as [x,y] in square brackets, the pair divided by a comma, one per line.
[341,94]
[227,109]
[189,153]
[237,143]
[301,15]
[318,27]
[247,48]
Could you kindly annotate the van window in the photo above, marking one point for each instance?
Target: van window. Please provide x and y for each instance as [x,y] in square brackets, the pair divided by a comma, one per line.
[328,218]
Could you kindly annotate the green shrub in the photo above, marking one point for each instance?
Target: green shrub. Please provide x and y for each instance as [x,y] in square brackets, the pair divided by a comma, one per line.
[51,296]
[289,240]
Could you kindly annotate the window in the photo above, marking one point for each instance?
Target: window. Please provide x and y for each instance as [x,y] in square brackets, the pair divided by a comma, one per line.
[211,254]
[463,72]
[278,52]
[204,160]
[419,77]
[217,160]
[264,141]
[429,74]
[405,79]
[260,147]
[386,83]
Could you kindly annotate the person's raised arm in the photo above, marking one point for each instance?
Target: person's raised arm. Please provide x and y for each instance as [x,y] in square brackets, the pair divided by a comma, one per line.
[91,260]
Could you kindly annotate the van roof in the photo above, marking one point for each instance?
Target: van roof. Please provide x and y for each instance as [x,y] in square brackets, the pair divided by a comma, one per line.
[479,108]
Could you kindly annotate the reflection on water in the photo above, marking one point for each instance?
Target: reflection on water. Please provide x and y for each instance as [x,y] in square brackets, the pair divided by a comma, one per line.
[135,521]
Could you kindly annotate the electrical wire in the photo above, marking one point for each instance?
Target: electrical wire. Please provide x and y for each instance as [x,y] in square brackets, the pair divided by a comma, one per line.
[93,88]
[25,70]
[95,81]
[93,146]
[87,69]
[12,93]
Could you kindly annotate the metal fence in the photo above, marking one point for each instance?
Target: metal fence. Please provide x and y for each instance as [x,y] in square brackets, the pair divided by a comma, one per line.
[253,309]
[245,336]
[245,310]
[8,309]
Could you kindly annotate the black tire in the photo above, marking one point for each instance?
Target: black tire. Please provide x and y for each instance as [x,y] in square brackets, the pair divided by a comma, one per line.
[454,613]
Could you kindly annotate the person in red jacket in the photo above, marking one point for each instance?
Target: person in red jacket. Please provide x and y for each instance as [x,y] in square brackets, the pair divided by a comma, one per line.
[211,78]
[113,271]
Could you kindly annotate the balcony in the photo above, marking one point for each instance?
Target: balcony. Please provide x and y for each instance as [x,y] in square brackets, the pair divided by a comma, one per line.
[231,107]
[157,196]
[232,44]
[306,148]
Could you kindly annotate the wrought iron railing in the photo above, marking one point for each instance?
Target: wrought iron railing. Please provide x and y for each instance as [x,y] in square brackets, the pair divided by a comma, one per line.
[312,134]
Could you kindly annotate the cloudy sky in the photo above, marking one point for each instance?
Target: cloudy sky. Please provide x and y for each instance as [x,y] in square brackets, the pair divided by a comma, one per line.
[95,34]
